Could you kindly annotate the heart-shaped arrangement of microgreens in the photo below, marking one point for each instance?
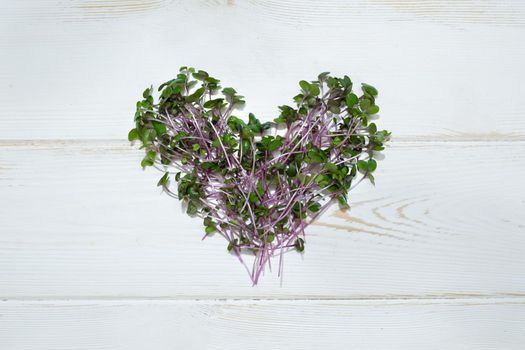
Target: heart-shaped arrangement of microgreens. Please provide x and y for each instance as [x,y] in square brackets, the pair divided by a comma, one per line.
[258,184]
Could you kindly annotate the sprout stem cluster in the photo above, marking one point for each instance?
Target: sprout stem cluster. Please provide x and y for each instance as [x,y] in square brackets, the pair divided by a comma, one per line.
[258,184]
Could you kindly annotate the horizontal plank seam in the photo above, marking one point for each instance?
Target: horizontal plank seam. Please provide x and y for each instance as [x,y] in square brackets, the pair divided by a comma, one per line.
[451,296]
[121,142]
[131,301]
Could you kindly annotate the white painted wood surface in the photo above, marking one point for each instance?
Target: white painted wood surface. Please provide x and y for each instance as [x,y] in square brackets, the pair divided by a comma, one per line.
[433,257]
[444,69]
[136,325]
[444,219]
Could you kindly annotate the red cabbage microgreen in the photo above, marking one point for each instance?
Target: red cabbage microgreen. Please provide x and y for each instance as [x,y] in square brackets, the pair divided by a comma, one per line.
[259,184]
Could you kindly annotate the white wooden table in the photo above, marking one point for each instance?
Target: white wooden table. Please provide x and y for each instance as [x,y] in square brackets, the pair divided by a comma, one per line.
[92,256]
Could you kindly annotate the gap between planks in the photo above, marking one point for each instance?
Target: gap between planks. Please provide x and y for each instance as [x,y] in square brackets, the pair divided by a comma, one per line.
[506,298]
[347,302]
[125,144]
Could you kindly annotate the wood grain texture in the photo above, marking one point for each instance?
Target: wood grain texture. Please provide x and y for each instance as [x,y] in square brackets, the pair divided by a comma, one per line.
[425,324]
[81,219]
[93,256]
[445,69]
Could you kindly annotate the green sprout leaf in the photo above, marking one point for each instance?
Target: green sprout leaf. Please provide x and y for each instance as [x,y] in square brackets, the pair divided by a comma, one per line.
[362,165]
[373,109]
[372,165]
[299,244]
[196,95]
[369,89]
[133,135]
[305,86]
[351,100]
[229,91]
[164,180]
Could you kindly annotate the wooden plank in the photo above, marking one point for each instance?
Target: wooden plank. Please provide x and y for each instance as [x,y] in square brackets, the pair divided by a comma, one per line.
[445,70]
[81,219]
[424,324]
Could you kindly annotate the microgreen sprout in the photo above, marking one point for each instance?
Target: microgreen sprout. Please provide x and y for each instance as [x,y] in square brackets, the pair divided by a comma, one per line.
[258,184]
